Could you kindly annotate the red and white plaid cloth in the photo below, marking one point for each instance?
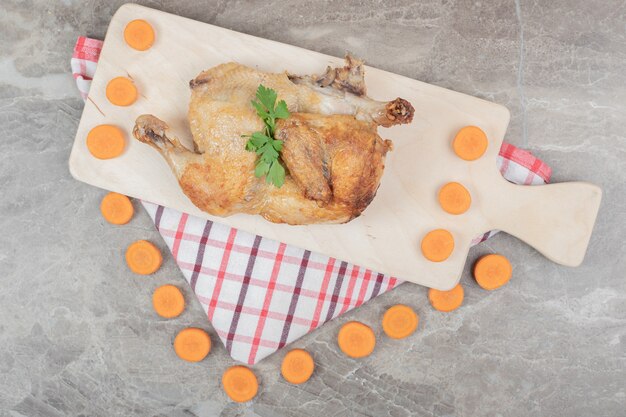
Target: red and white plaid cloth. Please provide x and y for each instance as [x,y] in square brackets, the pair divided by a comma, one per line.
[260,294]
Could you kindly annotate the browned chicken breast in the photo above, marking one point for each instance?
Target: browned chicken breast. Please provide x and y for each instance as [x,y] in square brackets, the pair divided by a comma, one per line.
[332,153]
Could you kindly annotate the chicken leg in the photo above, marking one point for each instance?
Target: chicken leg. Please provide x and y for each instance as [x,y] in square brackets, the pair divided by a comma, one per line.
[332,152]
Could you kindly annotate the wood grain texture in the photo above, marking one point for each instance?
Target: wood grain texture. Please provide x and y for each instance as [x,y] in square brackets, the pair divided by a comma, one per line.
[555,219]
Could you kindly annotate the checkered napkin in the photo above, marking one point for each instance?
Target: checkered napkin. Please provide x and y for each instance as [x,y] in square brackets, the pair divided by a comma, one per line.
[260,294]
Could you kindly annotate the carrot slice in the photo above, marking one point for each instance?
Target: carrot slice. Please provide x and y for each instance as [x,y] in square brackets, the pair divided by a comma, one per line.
[116,208]
[139,35]
[168,301]
[492,271]
[143,257]
[446,300]
[106,141]
[192,344]
[470,143]
[356,339]
[297,366]
[400,321]
[454,198]
[121,91]
[437,245]
[240,383]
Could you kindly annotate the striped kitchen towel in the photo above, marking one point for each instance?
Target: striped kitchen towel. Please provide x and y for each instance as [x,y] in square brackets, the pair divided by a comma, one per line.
[261,294]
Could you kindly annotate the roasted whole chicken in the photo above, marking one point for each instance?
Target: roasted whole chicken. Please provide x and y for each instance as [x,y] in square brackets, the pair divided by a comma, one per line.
[332,153]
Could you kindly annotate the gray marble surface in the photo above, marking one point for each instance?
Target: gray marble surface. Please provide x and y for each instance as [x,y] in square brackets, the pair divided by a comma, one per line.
[77,333]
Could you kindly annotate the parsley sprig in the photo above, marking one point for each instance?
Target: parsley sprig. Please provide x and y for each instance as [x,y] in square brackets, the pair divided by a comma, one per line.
[263,143]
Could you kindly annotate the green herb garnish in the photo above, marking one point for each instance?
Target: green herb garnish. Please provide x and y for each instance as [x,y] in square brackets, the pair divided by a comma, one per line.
[263,143]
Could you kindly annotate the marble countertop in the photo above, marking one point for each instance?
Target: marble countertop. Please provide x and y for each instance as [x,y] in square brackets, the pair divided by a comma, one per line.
[77,332]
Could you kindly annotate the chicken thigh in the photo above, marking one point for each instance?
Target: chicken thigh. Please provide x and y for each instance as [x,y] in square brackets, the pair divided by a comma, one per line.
[333,156]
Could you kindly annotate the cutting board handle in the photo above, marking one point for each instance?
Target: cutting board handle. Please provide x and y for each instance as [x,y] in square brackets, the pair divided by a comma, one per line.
[555,219]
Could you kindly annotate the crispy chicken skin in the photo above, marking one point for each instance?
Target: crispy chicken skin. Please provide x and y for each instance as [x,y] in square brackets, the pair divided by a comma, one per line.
[332,153]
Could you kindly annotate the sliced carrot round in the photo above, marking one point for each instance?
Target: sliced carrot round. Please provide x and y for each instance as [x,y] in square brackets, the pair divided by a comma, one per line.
[400,321]
[121,91]
[139,35]
[437,245]
[143,257]
[168,301]
[297,366]
[446,300]
[240,383]
[116,208]
[470,143]
[356,339]
[192,344]
[106,141]
[492,271]
[454,198]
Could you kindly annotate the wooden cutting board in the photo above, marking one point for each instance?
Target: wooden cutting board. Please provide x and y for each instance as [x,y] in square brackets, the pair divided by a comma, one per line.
[556,219]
